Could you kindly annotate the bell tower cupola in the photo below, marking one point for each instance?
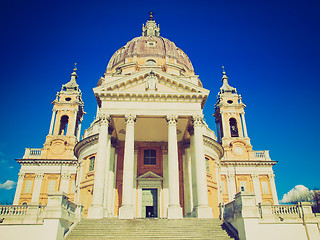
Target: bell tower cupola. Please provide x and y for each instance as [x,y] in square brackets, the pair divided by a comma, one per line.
[65,126]
[229,114]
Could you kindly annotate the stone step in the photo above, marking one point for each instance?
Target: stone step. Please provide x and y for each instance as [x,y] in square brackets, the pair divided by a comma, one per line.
[190,228]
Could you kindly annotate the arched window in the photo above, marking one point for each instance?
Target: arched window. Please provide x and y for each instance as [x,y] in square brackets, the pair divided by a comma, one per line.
[233,127]
[151,62]
[63,125]
[91,163]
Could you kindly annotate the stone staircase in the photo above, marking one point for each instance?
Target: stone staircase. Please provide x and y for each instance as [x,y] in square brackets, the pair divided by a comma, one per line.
[187,228]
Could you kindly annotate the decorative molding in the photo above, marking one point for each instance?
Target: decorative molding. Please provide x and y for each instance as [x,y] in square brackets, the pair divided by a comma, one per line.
[211,143]
[172,120]
[197,120]
[226,163]
[104,118]
[21,175]
[255,177]
[130,119]
[271,176]
[66,176]
[39,175]
[32,162]
[89,141]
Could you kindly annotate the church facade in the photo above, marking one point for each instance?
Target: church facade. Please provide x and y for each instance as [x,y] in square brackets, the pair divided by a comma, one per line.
[149,152]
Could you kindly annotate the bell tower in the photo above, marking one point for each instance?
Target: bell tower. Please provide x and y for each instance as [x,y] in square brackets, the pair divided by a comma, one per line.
[65,126]
[231,125]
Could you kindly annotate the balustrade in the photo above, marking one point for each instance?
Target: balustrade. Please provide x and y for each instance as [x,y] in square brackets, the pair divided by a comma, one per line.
[285,209]
[34,153]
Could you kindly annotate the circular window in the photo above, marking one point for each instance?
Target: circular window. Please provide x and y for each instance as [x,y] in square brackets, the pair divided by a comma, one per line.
[68,99]
[229,101]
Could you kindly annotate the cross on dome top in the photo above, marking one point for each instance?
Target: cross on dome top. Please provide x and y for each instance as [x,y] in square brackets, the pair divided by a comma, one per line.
[151,28]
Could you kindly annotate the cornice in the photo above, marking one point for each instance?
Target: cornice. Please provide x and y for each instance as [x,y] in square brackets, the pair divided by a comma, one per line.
[84,143]
[47,161]
[247,163]
[213,144]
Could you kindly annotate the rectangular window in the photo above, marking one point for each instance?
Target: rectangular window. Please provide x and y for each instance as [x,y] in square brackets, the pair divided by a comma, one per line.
[51,185]
[243,186]
[28,186]
[150,157]
[91,163]
[265,188]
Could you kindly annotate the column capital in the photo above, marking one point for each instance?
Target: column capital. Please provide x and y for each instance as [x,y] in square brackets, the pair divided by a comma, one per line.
[230,176]
[197,120]
[39,175]
[21,175]
[130,119]
[172,120]
[104,118]
[66,176]
[255,176]
[271,176]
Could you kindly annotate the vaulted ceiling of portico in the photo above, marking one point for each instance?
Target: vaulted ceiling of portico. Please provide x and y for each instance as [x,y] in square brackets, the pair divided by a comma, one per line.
[150,129]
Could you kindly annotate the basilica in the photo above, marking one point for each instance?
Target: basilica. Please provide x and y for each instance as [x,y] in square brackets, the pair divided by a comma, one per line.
[148,153]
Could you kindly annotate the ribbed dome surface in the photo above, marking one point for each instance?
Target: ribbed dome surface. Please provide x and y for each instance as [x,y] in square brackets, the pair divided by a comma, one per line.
[152,47]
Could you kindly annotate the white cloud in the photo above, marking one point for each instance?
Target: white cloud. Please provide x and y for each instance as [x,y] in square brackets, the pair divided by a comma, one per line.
[297,194]
[7,185]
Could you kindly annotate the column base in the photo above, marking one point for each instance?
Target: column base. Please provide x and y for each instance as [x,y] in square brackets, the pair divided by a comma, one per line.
[202,212]
[95,212]
[126,212]
[174,212]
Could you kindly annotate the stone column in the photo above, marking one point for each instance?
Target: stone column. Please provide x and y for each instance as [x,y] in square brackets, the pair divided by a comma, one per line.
[225,124]
[244,125]
[64,186]
[174,208]
[36,188]
[256,187]
[114,177]
[231,186]
[109,203]
[79,131]
[187,180]
[202,209]
[126,210]
[52,120]
[18,189]
[165,181]
[273,189]
[217,167]
[96,209]
[106,179]
[78,181]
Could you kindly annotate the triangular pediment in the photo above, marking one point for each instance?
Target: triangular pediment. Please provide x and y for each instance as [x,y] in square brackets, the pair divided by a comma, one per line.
[151,81]
[149,176]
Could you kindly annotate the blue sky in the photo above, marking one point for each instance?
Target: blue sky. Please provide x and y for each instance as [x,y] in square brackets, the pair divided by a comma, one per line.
[270,49]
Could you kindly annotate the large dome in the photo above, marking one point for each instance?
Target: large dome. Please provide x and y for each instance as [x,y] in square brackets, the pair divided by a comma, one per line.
[150,50]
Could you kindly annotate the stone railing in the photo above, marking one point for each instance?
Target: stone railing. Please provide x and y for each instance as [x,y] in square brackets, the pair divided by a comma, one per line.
[262,155]
[32,153]
[21,214]
[285,209]
[13,210]
[94,129]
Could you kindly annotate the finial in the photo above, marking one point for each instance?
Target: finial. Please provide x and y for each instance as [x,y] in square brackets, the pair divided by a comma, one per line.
[75,67]
[223,71]
[151,16]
